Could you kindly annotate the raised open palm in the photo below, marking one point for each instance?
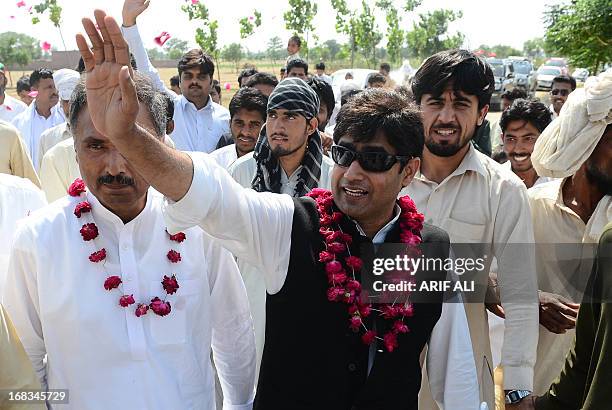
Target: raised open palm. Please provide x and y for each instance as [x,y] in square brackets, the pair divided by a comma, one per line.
[111,96]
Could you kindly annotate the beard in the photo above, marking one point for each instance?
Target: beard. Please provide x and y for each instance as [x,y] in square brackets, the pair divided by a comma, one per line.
[599,178]
[281,152]
[445,149]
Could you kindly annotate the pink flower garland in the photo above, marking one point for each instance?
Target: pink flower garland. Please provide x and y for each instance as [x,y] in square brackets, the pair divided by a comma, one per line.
[89,232]
[343,287]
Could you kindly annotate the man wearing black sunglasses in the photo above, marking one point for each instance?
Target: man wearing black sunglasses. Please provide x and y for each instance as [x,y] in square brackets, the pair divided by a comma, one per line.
[562,86]
[312,359]
[477,201]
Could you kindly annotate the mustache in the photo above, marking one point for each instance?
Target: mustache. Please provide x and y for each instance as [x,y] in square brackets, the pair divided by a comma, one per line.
[279,134]
[446,125]
[194,86]
[117,179]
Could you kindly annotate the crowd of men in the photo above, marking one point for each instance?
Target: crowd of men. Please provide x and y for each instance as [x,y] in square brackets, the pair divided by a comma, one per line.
[163,252]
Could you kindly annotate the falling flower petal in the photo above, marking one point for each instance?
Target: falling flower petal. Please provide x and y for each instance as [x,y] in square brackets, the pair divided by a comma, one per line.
[21,3]
[162,38]
[46,46]
[33,94]
[228,86]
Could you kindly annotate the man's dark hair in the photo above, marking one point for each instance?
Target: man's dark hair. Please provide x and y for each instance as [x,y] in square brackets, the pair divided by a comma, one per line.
[404,91]
[247,72]
[468,73]
[568,79]
[80,67]
[262,78]
[379,110]
[299,63]
[174,81]
[217,86]
[250,99]
[514,94]
[196,58]
[153,99]
[325,92]
[23,84]
[296,40]
[169,107]
[533,112]
[385,66]
[320,65]
[283,69]
[376,78]
[39,74]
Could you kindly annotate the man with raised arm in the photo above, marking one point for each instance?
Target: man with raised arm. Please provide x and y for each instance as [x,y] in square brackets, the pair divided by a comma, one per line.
[326,348]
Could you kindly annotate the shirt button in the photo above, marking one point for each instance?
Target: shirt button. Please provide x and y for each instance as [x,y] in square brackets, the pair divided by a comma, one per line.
[352,367]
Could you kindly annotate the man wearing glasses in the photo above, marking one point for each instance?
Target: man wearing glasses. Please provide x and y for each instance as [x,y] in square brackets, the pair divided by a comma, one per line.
[562,86]
[312,359]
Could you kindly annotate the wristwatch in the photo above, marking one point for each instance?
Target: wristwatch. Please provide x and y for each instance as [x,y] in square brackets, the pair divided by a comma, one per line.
[514,396]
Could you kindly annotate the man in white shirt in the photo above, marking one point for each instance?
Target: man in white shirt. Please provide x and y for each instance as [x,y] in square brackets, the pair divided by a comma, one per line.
[247,115]
[126,313]
[562,87]
[320,68]
[199,121]
[9,107]
[14,157]
[521,125]
[65,81]
[309,345]
[477,201]
[42,114]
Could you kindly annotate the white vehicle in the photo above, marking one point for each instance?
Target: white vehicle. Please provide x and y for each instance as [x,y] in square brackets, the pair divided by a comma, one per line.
[360,77]
[546,73]
[580,74]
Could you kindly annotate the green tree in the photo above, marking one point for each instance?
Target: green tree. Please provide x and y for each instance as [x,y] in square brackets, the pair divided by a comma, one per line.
[156,54]
[534,48]
[175,48]
[206,37]
[234,53]
[430,34]
[580,31]
[275,49]
[248,24]
[367,35]
[55,15]
[298,20]
[395,35]
[17,49]
[333,48]
[501,50]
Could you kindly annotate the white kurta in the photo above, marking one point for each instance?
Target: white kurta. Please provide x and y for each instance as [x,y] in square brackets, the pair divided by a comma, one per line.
[194,129]
[18,198]
[50,138]
[225,156]
[106,356]
[10,108]
[58,169]
[31,125]
[540,180]
[260,235]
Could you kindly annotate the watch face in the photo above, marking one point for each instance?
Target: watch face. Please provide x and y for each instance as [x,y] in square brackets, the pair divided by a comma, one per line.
[515,396]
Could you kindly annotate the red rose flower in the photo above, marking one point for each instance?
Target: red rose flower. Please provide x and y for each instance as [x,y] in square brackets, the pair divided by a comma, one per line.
[98,256]
[159,307]
[326,256]
[365,310]
[89,232]
[170,284]
[347,238]
[81,207]
[316,192]
[353,310]
[390,341]
[388,311]
[353,285]
[354,262]
[126,300]
[336,247]
[355,323]
[337,217]
[325,220]
[333,267]
[337,278]
[349,296]
[334,294]
[400,327]
[325,232]
[112,282]
[174,256]
[177,237]
[76,188]
[406,204]
[141,309]
[407,310]
[368,337]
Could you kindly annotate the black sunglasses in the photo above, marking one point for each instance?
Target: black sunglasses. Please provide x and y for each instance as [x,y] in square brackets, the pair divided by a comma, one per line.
[563,93]
[369,161]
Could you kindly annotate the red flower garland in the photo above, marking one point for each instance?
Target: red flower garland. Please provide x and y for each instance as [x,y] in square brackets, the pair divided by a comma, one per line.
[343,287]
[89,232]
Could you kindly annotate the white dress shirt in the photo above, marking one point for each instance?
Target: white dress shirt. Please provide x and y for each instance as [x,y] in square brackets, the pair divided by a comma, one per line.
[194,129]
[256,227]
[540,180]
[10,108]
[31,125]
[106,356]
[18,198]
[225,156]
[50,138]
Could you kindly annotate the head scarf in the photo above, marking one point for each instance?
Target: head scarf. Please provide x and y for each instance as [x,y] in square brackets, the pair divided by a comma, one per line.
[295,95]
[65,81]
[570,139]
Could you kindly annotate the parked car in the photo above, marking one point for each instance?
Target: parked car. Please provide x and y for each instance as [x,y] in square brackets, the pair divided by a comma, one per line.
[545,77]
[360,76]
[522,75]
[580,74]
[558,62]
[500,70]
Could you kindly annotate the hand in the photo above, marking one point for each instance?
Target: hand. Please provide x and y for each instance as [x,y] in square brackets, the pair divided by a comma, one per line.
[326,141]
[111,96]
[132,9]
[492,297]
[528,403]
[557,314]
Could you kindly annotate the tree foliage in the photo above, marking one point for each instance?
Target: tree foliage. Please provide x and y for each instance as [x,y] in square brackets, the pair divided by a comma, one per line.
[275,49]
[17,49]
[206,36]
[501,50]
[55,15]
[249,24]
[298,19]
[234,53]
[581,31]
[430,34]
[395,35]
[534,48]
[175,48]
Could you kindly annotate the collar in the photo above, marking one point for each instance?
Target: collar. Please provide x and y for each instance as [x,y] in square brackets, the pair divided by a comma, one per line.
[470,162]
[100,212]
[184,102]
[382,234]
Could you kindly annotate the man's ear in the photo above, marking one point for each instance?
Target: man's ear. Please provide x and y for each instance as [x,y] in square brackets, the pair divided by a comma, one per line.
[482,113]
[409,171]
[312,125]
